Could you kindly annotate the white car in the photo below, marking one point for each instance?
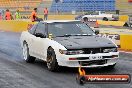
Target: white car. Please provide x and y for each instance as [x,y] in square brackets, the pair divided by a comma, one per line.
[67,43]
[99,16]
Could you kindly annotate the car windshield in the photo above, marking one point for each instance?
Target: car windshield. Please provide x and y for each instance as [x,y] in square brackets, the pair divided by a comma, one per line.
[70,29]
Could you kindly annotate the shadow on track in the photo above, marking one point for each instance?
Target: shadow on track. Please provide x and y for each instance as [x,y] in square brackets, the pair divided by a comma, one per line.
[67,70]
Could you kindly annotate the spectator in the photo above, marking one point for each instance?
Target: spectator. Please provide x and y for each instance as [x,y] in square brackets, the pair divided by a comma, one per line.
[17,15]
[8,15]
[34,15]
[58,11]
[46,14]
[26,7]
[0,16]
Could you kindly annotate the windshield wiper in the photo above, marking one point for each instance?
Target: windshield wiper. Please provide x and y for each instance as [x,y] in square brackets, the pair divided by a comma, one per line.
[67,35]
[84,34]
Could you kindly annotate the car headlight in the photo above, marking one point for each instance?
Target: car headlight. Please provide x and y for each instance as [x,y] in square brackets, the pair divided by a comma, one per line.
[110,50]
[71,52]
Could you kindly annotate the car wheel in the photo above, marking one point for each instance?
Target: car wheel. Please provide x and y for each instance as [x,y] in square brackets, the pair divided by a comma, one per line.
[26,56]
[52,64]
[105,19]
[85,19]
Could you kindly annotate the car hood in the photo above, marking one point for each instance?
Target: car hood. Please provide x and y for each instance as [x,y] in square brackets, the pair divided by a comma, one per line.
[79,42]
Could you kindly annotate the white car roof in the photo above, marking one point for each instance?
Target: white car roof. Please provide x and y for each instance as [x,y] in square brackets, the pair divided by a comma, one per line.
[53,21]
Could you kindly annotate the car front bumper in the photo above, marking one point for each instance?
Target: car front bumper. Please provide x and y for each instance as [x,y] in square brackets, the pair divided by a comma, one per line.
[85,61]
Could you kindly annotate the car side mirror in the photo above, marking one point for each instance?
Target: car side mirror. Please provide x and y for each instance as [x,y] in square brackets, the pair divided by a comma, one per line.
[40,35]
[96,32]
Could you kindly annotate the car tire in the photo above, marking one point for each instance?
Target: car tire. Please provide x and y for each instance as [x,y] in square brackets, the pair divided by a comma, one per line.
[26,56]
[52,64]
[85,19]
[105,19]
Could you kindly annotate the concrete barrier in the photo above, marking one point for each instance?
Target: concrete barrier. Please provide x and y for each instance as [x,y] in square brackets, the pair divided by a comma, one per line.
[123,18]
[126,42]
[21,25]
[122,21]
[122,39]
[54,17]
[112,23]
[61,17]
[15,26]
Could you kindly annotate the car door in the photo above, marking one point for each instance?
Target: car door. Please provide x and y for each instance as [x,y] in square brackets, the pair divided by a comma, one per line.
[38,42]
[30,39]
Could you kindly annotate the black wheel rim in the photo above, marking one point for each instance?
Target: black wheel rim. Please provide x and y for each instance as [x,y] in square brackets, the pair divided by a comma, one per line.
[49,61]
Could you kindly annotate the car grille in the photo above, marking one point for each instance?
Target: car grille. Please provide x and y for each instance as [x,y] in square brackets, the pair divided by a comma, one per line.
[93,50]
[94,62]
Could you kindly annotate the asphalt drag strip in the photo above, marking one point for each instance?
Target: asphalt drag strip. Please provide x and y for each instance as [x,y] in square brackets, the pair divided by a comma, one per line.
[16,73]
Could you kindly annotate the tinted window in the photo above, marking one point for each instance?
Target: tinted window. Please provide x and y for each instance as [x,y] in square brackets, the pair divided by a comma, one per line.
[32,30]
[40,28]
[60,29]
[95,13]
